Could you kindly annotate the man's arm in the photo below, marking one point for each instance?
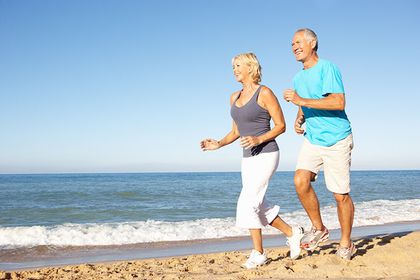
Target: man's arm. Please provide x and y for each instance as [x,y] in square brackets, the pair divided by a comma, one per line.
[333,101]
[300,120]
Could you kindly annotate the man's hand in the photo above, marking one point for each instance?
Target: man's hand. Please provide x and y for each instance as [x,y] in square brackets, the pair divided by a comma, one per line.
[298,124]
[292,96]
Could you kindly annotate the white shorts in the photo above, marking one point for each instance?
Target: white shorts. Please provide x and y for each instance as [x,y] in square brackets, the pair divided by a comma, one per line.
[336,160]
[253,210]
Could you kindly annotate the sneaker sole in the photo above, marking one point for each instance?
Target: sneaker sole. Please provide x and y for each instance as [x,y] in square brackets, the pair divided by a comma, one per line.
[324,238]
[253,267]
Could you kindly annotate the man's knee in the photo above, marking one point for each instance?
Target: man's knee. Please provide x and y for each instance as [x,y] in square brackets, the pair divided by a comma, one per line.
[342,198]
[303,181]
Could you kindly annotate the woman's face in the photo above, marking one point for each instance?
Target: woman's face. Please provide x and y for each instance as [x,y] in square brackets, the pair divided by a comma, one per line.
[240,70]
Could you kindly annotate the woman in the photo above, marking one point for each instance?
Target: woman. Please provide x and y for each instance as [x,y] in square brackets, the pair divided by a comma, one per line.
[252,108]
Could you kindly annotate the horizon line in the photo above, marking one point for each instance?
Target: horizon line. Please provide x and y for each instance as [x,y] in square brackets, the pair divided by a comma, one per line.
[166,172]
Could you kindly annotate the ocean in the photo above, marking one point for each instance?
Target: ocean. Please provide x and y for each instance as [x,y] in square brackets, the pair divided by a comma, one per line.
[119,209]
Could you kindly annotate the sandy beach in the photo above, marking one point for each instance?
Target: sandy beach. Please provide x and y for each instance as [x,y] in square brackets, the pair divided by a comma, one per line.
[393,256]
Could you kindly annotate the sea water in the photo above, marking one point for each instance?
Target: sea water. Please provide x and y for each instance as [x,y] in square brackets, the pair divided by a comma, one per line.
[117,209]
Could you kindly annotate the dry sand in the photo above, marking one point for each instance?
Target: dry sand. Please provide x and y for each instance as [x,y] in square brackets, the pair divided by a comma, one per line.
[394,256]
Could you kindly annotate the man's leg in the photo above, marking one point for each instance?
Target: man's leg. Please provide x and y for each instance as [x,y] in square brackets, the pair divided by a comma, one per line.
[345,211]
[337,161]
[307,196]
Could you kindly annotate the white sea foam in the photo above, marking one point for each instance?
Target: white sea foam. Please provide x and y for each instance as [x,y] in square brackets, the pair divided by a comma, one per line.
[367,213]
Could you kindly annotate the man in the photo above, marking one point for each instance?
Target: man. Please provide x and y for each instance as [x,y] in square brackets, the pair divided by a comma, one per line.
[319,94]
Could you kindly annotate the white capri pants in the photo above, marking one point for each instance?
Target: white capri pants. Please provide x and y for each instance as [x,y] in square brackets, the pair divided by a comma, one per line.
[253,210]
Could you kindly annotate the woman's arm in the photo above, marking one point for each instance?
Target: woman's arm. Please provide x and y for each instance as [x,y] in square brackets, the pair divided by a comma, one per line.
[211,144]
[231,137]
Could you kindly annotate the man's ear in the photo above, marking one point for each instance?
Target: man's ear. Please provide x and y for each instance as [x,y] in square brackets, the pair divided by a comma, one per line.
[313,44]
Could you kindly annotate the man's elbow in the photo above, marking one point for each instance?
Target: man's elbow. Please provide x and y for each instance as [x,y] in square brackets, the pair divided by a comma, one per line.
[337,101]
[342,104]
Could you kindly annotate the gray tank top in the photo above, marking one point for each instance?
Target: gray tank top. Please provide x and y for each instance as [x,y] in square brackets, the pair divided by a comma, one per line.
[253,120]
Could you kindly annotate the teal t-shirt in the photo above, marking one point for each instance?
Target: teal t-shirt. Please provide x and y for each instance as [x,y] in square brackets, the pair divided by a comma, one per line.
[323,127]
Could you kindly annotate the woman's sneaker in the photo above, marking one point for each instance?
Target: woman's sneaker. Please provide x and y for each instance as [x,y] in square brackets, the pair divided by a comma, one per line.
[346,253]
[255,259]
[294,242]
[312,238]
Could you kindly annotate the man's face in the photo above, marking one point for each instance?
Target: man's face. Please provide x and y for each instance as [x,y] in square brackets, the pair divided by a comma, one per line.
[301,47]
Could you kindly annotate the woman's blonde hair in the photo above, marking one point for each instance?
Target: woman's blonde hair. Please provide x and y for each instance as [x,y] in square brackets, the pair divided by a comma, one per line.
[251,60]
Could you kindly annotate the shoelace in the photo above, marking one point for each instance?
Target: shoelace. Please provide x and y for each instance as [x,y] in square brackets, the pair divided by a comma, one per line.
[313,232]
[343,250]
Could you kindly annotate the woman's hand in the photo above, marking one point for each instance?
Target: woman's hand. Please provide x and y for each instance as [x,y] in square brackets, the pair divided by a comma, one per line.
[247,142]
[209,145]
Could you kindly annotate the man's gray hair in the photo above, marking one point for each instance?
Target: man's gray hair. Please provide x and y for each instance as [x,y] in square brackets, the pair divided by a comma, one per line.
[309,35]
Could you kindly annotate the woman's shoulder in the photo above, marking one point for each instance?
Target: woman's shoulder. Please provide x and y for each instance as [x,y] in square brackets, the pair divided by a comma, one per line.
[234,96]
[266,97]
[266,91]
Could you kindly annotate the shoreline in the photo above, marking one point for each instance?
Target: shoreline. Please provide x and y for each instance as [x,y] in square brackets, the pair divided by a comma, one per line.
[380,256]
[43,256]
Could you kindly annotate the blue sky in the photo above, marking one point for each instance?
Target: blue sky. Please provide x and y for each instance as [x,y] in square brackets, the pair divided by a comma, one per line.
[133,86]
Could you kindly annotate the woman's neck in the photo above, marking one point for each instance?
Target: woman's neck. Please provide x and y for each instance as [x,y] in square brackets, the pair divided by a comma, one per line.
[249,86]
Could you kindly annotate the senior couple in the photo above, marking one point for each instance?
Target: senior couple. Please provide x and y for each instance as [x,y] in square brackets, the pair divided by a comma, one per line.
[319,95]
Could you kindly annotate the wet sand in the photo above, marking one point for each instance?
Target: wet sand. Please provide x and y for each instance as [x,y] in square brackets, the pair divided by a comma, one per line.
[391,255]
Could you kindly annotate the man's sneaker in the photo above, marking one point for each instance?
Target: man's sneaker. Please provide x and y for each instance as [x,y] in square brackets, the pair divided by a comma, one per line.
[294,242]
[255,259]
[346,253]
[312,238]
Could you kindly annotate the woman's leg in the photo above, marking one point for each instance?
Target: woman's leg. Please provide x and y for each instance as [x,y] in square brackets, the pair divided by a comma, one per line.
[282,226]
[256,237]
[294,235]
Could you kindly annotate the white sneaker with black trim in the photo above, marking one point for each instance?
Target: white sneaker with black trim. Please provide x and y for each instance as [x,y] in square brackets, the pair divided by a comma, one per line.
[294,242]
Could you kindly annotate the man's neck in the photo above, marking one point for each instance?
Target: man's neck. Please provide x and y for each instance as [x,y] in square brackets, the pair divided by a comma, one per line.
[311,61]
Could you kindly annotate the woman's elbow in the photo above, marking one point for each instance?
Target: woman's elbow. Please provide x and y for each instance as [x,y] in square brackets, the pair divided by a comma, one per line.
[281,128]
[235,134]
